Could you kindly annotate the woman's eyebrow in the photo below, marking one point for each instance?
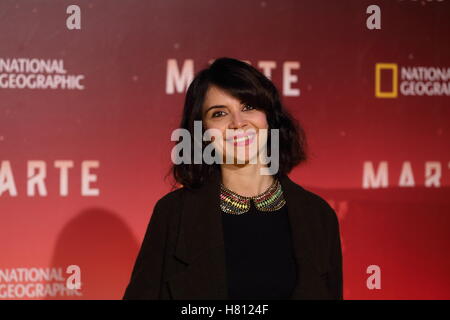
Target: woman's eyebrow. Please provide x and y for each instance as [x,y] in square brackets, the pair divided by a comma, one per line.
[214,107]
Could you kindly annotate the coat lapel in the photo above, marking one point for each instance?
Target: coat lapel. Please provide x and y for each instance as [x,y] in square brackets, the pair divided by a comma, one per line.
[299,212]
[200,245]
[200,242]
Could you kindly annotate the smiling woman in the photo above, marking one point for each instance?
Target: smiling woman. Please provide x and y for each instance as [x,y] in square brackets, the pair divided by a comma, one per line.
[239,124]
[231,232]
[233,95]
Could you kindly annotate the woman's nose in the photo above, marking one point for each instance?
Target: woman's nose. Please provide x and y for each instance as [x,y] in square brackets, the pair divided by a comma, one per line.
[237,121]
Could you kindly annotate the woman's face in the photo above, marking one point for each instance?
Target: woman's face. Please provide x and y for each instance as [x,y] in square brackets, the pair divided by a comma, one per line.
[239,124]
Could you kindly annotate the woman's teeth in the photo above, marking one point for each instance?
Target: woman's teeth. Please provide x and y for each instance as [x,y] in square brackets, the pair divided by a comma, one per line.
[242,139]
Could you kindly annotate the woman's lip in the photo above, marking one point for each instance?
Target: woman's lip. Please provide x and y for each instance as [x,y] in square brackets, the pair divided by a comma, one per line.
[242,140]
[239,136]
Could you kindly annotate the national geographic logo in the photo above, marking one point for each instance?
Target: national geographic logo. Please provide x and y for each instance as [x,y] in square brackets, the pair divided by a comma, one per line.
[410,81]
[37,73]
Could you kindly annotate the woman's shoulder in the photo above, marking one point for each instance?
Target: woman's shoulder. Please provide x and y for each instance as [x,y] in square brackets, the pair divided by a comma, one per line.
[165,208]
[171,198]
[312,199]
[316,199]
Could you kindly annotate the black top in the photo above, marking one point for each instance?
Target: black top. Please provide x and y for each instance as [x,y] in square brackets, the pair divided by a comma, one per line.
[182,254]
[259,254]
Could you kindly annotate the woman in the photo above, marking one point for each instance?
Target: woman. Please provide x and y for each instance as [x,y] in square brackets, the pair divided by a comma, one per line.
[232,232]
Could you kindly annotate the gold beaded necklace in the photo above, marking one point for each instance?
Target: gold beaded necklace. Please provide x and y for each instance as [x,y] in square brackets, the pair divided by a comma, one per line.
[270,200]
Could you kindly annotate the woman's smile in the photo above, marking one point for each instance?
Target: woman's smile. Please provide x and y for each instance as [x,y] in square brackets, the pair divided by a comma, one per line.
[242,139]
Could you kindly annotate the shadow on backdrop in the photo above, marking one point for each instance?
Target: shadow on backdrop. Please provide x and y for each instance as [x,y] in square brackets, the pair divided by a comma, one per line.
[103,246]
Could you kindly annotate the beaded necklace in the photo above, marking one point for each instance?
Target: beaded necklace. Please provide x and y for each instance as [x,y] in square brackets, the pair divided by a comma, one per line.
[270,200]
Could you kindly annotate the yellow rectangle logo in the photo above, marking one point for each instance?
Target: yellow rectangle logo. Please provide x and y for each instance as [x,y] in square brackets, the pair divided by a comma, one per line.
[386,94]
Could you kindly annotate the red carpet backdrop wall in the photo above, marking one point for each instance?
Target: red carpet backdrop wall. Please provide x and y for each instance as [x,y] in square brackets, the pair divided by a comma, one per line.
[90,92]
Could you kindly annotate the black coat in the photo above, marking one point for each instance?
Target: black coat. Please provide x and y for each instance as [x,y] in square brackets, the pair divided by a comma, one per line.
[183,254]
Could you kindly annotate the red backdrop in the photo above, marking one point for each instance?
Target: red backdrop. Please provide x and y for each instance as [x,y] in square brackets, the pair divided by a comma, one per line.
[117,123]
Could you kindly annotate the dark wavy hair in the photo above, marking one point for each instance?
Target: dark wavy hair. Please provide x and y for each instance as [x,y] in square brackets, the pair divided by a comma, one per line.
[247,84]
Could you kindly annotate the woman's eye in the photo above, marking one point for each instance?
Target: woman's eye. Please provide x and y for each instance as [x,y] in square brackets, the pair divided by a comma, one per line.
[248,107]
[217,114]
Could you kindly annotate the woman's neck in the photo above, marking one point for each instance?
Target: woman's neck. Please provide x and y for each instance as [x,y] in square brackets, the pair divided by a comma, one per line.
[245,180]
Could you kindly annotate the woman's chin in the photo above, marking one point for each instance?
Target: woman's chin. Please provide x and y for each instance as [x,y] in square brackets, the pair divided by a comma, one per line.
[239,161]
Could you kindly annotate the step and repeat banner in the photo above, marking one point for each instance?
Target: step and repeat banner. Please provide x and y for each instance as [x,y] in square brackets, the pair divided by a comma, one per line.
[91,90]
